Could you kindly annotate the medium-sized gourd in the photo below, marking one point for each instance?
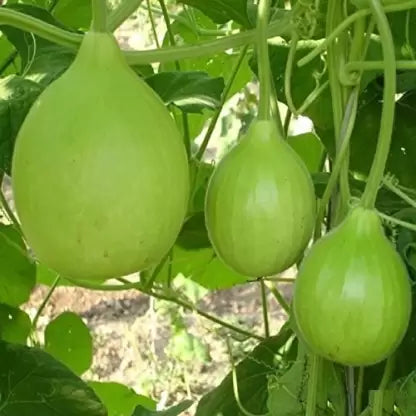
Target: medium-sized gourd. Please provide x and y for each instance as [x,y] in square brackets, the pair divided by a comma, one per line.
[352,298]
[260,204]
[100,173]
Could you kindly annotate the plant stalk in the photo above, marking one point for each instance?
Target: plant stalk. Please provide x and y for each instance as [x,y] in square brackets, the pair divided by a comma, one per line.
[99,16]
[122,13]
[389,102]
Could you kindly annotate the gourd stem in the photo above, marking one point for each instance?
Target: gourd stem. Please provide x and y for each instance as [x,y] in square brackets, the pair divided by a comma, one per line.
[314,373]
[126,8]
[279,297]
[99,16]
[389,103]
[289,71]
[354,66]
[359,391]
[345,137]
[348,22]
[265,309]
[224,98]
[263,59]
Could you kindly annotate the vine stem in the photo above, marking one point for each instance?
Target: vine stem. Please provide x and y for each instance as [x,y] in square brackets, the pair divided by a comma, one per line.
[348,22]
[265,309]
[170,298]
[171,36]
[99,16]
[121,13]
[345,135]
[224,97]
[389,102]
[314,372]
[263,59]
[289,71]
[279,297]
[406,198]
[394,220]
[9,212]
[378,402]
[354,66]
[45,302]
[152,22]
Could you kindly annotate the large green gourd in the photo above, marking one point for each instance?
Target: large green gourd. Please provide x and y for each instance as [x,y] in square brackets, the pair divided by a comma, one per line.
[100,174]
[260,204]
[352,298]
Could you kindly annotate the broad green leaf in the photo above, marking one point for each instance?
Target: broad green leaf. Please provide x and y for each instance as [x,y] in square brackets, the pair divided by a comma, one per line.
[200,175]
[406,239]
[119,399]
[15,325]
[17,271]
[9,58]
[402,154]
[310,149]
[47,276]
[173,411]
[252,375]
[403,27]
[190,91]
[33,383]
[405,394]
[73,13]
[194,234]
[16,97]
[222,11]
[68,339]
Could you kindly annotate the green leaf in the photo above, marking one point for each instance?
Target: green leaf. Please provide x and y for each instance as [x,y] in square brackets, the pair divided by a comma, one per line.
[68,339]
[194,234]
[17,271]
[200,175]
[16,97]
[74,13]
[15,325]
[173,411]
[222,11]
[309,147]
[405,394]
[190,91]
[34,383]
[119,399]
[252,375]
[185,347]
[403,27]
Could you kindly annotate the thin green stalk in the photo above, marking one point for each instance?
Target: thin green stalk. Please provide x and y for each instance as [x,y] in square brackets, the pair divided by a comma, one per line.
[186,305]
[359,391]
[9,212]
[280,279]
[396,221]
[236,393]
[406,198]
[346,133]
[224,98]
[44,303]
[99,16]
[122,13]
[377,405]
[279,297]
[350,390]
[152,22]
[313,380]
[263,59]
[389,102]
[310,99]
[336,56]
[345,25]
[171,36]
[289,71]
[265,309]
[288,119]
[378,399]
[354,66]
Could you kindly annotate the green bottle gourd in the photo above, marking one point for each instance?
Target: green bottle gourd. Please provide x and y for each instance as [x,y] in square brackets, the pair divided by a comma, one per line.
[260,204]
[352,297]
[100,174]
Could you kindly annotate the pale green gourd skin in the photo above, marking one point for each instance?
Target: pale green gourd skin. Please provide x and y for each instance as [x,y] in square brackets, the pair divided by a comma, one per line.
[100,174]
[260,205]
[352,298]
